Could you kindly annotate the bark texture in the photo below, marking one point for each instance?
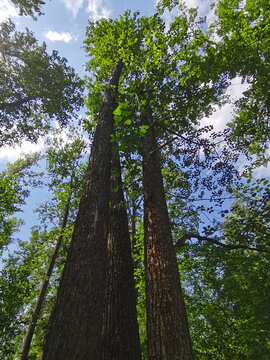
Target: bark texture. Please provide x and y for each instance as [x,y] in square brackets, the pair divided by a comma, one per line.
[167,326]
[43,289]
[120,340]
[76,320]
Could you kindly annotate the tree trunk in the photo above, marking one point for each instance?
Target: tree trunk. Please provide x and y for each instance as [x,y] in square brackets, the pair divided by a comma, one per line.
[120,332]
[167,326]
[76,320]
[133,225]
[43,289]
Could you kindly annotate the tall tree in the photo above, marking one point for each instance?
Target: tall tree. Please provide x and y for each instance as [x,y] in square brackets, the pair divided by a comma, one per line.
[179,74]
[120,333]
[167,326]
[76,320]
[148,70]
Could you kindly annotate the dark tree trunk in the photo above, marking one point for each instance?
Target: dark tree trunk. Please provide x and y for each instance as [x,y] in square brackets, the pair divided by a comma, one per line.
[43,289]
[76,320]
[167,326]
[120,339]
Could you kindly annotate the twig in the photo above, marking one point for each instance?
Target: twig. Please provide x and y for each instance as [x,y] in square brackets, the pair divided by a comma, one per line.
[162,146]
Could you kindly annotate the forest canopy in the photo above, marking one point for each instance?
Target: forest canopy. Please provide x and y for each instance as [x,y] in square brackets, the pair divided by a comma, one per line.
[165,192]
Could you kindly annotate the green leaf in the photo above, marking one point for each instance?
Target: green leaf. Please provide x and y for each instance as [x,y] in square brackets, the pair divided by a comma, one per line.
[117,111]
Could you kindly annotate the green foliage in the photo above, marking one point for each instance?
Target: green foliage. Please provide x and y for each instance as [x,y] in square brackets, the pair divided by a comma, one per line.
[18,280]
[227,297]
[29,7]
[243,49]
[23,268]
[14,189]
[35,87]
[227,291]
[180,72]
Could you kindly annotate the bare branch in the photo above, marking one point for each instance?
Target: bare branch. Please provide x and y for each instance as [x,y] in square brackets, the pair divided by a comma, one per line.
[202,199]
[181,242]
[179,135]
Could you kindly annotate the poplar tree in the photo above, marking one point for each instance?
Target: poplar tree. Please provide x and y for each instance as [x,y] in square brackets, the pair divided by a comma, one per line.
[76,321]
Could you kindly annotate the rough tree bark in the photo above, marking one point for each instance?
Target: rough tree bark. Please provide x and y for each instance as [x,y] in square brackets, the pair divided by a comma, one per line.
[120,331]
[43,289]
[76,320]
[167,326]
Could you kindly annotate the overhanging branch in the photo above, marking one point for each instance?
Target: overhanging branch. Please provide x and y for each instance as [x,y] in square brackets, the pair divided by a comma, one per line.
[181,242]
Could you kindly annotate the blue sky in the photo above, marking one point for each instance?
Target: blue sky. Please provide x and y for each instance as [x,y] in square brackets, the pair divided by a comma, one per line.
[63,25]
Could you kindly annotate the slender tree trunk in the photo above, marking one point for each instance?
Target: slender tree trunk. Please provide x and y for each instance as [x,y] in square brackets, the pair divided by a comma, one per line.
[120,331]
[76,320]
[167,326]
[43,289]
[133,225]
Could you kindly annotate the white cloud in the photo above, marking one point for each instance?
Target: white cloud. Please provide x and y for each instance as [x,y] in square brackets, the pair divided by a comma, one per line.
[73,6]
[202,5]
[223,115]
[11,154]
[97,10]
[63,36]
[7,10]
[262,172]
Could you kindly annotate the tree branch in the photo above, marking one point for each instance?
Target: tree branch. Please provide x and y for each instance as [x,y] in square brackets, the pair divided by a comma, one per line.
[162,146]
[202,199]
[15,104]
[180,136]
[181,242]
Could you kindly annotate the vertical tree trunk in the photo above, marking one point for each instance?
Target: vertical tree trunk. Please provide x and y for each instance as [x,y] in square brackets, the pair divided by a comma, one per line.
[76,320]
[120,332]
[133,225]
[167,326]
[43,289]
